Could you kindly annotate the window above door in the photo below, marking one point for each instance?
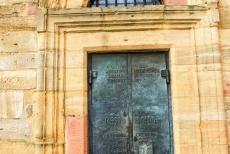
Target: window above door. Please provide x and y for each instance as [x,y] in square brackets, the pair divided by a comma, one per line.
[108,3]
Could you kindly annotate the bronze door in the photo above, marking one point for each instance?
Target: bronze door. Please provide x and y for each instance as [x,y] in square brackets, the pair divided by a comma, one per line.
[130,111]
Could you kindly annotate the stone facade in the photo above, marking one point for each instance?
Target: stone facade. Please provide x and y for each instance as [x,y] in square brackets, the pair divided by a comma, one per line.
[224,35]
[43,63]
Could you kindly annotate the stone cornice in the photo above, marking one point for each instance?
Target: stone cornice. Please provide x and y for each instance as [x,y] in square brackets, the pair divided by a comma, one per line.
[129,10]
[126,18]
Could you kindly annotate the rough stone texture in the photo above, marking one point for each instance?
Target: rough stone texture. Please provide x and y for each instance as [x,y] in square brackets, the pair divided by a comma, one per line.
[225,47]
[12,2]
[18,76]
[19,147]
[16,80]
[64,3]
[175,2]
[14,61]
[14,129]
[75,133]
[225,19]
[23,41]
[11,104]
[43,70]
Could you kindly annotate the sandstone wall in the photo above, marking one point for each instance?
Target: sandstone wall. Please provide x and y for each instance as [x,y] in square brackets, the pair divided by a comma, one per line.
[224,7]
[18,75]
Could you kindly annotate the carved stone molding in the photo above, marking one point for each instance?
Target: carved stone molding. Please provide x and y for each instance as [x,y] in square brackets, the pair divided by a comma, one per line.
[153,17]
[56,24]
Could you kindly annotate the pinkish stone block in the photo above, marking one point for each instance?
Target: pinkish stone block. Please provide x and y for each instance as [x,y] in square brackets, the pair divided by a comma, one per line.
[32,8]
[175,2]
[75,135]
[227,88]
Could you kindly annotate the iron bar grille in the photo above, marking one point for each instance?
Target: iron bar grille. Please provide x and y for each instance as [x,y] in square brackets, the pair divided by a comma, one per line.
[107,3]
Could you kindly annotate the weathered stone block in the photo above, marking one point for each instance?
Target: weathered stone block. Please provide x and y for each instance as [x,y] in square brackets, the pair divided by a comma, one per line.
[76,42]
[75,103]
[31,8]
[224,3]
[226,55]
[14,129]
[23,23]
[224,16]
[212,108]
[206,36]
[188,136]
[210,83]
[41,41]
[208,53]
[175,2]
[208,58]
[225,67]
[17,9]
[38,117]
[214,132]
[225,37]
[227,88]
[182,55]
[51,56]
[210,67]
[76,59]
[226,84]
[10,2]
[227,105]
[11,104]
[184,81]
[14,80]
[18,41]
[75,4]
[50,79]
[28,104]
[13,61]
[190,149]
[186,108]
[55,78]
[76,79]
[76,128]
[9,147]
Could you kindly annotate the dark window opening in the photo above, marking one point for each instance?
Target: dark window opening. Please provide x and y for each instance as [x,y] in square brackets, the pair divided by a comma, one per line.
[107,3]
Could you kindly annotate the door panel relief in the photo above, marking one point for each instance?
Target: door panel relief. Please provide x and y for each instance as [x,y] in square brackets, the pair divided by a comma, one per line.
[129,108]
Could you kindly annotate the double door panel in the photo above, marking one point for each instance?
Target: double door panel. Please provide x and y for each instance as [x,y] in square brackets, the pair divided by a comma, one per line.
[129,107]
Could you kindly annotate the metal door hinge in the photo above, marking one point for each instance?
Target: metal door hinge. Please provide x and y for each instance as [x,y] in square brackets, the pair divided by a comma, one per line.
[92,75]
[166,74]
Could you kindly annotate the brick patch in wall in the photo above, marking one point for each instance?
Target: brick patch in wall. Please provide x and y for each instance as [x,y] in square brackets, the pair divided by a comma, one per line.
[227,88]
[32,8]
[75,135]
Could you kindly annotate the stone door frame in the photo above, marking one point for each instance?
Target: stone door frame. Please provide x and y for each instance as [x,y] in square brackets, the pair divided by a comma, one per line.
[55,27]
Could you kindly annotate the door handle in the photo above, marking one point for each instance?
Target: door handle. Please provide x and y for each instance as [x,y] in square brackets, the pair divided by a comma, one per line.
[166,74]
[92,75]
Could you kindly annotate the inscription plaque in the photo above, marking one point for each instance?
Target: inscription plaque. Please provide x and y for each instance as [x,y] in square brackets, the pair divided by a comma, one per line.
[129,108]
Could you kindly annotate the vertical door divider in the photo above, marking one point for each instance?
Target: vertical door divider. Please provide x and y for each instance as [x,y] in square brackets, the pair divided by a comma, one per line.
[129,65]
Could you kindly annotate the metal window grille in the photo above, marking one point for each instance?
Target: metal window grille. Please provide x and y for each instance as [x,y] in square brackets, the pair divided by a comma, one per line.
[107,3]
